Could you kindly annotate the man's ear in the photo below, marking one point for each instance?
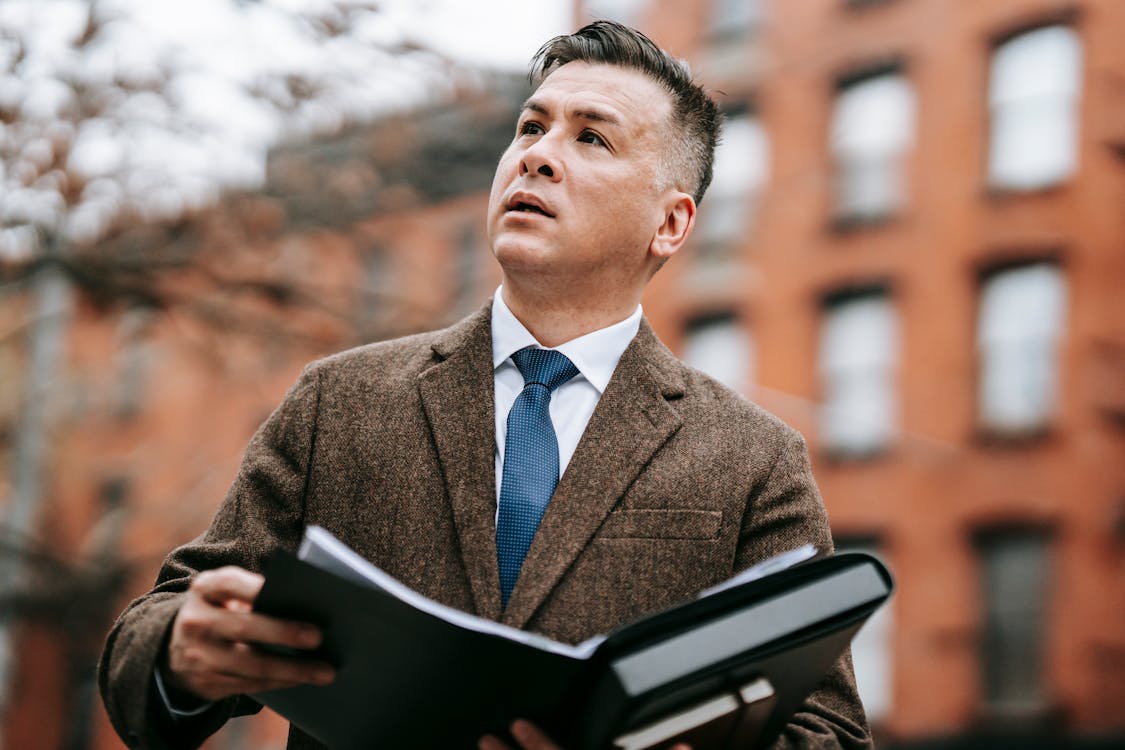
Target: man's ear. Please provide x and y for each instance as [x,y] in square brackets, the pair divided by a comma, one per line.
[679,219]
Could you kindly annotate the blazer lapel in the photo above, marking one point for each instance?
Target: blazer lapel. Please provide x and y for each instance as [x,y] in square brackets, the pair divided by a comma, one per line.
[631,422]
[457,396]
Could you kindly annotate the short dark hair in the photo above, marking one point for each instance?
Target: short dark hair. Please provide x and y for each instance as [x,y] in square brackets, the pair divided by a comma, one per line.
[696,119]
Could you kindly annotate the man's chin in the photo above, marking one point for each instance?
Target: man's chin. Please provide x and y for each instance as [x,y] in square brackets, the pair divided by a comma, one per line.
[522,255]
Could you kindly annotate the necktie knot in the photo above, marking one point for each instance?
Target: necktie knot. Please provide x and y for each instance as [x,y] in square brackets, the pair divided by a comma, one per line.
[545,367]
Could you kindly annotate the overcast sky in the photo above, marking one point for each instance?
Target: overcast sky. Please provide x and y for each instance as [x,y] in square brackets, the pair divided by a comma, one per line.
[501,33]
[163,153]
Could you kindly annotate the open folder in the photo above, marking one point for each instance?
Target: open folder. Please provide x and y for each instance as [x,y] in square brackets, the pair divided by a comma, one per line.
[726,669]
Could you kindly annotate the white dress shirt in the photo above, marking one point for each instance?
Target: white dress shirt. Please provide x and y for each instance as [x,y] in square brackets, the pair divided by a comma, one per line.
[595,355]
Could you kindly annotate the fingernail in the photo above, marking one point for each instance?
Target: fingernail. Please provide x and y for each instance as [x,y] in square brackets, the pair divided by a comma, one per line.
[309,638]
[325,676]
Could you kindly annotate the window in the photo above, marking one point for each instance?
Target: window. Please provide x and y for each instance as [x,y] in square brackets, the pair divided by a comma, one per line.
[628,12]
[741,168]
[1015,568]
[872,128]
[134,360]
[858,357]
[722,348]
[1021,323]
[871,648]
[113,493]
[732,17]
[1033,100]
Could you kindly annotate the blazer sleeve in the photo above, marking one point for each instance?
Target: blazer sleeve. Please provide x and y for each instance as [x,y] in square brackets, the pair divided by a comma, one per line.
[786,511]
[263,510]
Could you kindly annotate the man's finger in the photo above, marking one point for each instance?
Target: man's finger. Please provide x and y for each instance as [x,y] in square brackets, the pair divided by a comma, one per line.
[223,584]
[251,627]
[531,737]
[244,661]
[204,663]
[218,686]
[490,742]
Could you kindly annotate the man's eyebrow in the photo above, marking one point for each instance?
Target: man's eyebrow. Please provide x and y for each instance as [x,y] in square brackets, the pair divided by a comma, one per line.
[595,115]
[534,106]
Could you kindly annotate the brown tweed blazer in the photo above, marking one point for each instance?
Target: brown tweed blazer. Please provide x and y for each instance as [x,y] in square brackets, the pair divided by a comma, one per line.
[676,484]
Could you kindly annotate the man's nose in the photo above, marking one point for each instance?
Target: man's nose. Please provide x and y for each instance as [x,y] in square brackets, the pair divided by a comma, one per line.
[540,158]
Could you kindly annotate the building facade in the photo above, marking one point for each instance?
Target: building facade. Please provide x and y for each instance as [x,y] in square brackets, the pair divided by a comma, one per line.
[913,251]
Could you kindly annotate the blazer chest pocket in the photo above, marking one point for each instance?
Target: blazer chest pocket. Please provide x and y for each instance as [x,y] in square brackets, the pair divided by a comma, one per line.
[661,523]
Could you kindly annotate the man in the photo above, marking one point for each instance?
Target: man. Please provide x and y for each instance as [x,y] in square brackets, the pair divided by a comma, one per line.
[435,456]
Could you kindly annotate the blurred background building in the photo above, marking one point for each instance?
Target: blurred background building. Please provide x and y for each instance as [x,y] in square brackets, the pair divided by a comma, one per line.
[913,251]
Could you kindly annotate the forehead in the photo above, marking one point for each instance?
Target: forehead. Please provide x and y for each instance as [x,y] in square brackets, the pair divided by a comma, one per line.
[624,94]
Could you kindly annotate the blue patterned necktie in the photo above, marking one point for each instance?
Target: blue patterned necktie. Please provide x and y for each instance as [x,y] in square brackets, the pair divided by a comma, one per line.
[531,459]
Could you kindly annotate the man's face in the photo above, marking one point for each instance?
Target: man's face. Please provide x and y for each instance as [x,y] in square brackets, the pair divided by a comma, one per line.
[579,193]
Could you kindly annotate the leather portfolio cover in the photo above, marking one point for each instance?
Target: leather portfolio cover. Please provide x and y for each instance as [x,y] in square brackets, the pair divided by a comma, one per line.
[414,673]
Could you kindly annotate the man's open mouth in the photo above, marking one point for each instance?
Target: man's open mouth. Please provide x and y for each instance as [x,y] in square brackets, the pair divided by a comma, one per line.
[529,207]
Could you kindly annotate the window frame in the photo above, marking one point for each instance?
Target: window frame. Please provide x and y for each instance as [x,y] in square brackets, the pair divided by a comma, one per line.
[844,218]
[715,318]
[1036,710]
[835,451]
[1066,18]
[988,433]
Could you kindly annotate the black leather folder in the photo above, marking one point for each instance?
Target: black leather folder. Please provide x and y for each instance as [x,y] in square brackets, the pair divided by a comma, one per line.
[724,670]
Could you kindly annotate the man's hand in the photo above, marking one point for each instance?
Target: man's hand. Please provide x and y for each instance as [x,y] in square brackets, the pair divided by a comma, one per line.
[527,734]
[531,737]
[211,652]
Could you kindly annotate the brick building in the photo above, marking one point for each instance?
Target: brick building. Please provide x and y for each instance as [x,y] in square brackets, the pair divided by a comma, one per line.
[912,252]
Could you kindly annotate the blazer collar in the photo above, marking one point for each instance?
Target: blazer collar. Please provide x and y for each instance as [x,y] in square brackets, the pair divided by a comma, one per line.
[457,395]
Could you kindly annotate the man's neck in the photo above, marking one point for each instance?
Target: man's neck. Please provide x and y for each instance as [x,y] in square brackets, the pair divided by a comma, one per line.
[554,321]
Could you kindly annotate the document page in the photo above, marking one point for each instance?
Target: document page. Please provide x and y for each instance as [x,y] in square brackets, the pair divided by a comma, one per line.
[325,551]
[320,548]
[766,567]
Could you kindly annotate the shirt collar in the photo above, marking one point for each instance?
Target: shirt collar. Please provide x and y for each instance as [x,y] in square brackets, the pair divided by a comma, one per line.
[595,354]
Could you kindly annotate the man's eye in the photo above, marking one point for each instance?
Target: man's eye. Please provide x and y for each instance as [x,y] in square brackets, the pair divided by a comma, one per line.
[530,128]
[589,136]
